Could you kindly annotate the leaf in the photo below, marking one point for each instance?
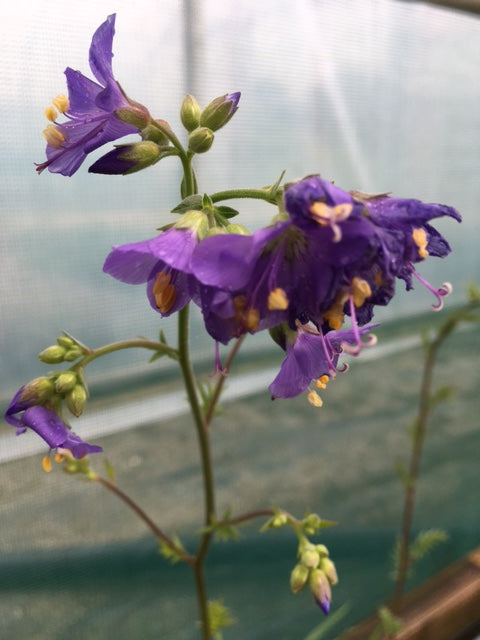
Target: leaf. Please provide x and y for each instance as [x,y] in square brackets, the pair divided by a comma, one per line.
[171,554]
[443,394]
[219,617]
[189,203]
[425,542]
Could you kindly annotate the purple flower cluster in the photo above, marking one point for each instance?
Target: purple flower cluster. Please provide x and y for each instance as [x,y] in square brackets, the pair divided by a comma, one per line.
[334,254]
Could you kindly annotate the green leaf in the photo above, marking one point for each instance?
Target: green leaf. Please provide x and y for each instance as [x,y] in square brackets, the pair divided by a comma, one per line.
[425,542]
[219,617]
[170,554]
[189,203]
[443,394]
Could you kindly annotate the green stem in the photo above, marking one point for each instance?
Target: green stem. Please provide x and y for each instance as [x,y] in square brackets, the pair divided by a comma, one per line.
[254,194]
[418,439]
[140,343]
[221,381]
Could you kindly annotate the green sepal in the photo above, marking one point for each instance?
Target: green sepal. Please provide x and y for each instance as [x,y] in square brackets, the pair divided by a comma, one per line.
[279,519]
[312,523]
[226,212]
[189,203]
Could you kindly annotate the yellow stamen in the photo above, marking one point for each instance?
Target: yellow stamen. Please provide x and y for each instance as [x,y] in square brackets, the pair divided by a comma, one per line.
[50,114]
[314,399]
[322,213]
[420,238]
[46,464]
[321,383]
[334,316]
[61,103]
[360,291]
[277,300]
[252,319]
[164,292]
[53,136]
[58,457]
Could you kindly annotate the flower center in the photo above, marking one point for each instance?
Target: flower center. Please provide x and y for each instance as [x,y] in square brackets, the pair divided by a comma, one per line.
[247,318]
[164,292]
[331,216]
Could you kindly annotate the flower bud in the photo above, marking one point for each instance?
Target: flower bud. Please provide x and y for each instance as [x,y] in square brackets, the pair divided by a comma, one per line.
[135,114]
[128,158]
[219,111]
[298,578]
[65,381]
[76,399]
[73,354]
[37,391]
[190,113]
[311,524]
[328,568]
[320,588]
[52,355]
[155,134]
[65,341]
[200,140]
[310,558]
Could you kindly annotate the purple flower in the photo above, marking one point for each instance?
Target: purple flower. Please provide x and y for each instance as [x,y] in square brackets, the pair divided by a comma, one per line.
[287,272]
[92,110]
[162,262]
[23,415]
[313,357]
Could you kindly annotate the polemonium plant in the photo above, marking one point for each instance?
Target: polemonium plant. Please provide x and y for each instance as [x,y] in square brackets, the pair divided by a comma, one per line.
[313,277]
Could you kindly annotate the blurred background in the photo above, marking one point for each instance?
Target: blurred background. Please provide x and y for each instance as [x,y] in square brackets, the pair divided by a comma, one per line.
[378,95]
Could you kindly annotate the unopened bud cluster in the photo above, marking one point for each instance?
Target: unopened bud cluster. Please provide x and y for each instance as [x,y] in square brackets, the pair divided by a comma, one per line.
[201,123]
[66,350]
[314,568]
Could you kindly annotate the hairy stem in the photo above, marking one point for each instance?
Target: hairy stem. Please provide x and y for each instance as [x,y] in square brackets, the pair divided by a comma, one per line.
[140,343]
[418,439]
[111,486]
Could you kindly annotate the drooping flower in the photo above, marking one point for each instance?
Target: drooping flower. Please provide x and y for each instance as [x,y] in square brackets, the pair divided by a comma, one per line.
[312,357]
[287,272]
[162,262]
[97,112]
[23,414]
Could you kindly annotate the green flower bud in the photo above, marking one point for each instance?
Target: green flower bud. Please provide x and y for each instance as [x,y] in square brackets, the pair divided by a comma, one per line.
[311,524]
[135,114]
[219,111]
[200,140]
[37,391]
[154,134]
[328,568]
[320,588]
[238,229]
[298,578]
[322,550]
[190,113]
[65,381]
[65,341]
[76,399]
[73,354]
[310,558]
[53,354]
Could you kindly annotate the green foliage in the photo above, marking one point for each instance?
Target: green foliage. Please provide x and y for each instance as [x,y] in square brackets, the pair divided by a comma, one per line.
[388,625]
[222,529]
[109,470]
[442,394]
[425,542]
[279,519]
[219,617]
[171,554]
